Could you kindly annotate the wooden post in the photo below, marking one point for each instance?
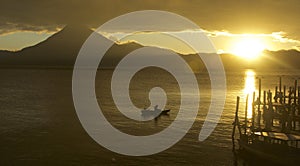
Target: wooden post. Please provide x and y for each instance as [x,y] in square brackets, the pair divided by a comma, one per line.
[298,99]
[271,109]
[280,91]
[289,122]
[280,85]
[265,108]
[259,102]
[284,94]
[294,105]
[253,111]
[236,122]
[276,94]
[295,92]
[246,113]
[259,89]
[298,103]
[265,97]
[290,96]
[268,117]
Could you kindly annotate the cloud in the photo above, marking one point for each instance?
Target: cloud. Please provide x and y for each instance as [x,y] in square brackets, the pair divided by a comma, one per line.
[256,16]
[224,41]
[272,41]
[8,28]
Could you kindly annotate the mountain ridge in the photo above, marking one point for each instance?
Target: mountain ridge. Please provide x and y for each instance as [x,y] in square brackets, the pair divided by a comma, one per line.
[61,50]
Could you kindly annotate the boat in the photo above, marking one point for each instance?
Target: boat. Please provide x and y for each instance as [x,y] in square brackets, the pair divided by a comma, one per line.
[276,147]
[155,113]
[165,112]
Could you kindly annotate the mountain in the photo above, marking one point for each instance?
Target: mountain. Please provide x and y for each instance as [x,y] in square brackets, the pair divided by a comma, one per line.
[282,59]
[61,50]
[116,52]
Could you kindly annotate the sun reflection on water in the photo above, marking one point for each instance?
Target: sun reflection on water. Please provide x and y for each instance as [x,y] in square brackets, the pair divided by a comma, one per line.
[249,89]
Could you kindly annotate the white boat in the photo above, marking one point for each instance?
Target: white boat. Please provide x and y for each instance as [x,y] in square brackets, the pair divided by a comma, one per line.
[156,112]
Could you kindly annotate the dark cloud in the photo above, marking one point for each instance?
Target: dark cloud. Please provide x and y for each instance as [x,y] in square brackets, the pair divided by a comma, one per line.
[8,27]
[256,16]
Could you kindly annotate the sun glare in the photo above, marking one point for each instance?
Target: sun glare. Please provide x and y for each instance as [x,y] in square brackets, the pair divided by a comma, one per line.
[249,48]
[249,89]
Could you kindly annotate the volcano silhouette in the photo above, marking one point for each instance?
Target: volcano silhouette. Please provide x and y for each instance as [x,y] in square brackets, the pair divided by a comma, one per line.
[61,50]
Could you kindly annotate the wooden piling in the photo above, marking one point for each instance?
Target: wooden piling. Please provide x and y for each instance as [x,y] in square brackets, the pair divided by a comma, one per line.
[290,96]
[276,94]
[253,111]
[259,89]
[284,94]
[287,111]
[265,98]
[265,107]
[280,91]
[289,122]
[294,105]
[271,113]
[280,85]
[246,113]
[295,91]
[268,114]
[259,102]
[236,123]
[298,99]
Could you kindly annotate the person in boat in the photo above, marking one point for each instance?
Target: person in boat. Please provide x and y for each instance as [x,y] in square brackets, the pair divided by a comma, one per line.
[156,108]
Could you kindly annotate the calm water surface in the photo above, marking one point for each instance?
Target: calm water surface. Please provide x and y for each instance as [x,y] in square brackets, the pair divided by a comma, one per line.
[38,123]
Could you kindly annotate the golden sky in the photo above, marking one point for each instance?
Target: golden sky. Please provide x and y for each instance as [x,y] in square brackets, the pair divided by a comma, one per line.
[230,24]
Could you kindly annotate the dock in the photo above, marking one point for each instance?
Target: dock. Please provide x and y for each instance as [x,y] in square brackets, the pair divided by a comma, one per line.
[278,110]
[273,130]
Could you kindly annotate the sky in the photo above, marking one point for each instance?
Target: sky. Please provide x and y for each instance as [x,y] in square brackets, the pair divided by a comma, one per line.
[230,24]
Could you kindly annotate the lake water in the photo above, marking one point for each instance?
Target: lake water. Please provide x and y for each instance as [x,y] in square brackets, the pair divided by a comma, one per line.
[39,125]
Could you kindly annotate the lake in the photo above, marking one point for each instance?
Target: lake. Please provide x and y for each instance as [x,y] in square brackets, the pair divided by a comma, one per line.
[39,124]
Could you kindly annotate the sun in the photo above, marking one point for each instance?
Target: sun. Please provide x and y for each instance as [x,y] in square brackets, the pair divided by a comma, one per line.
[249,48]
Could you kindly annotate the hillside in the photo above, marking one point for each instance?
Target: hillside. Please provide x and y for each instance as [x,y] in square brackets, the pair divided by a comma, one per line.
[61,50]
